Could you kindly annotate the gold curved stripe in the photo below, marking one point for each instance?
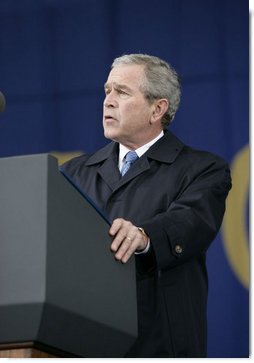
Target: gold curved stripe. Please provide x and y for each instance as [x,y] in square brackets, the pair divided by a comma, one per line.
[234,228]
[62,157]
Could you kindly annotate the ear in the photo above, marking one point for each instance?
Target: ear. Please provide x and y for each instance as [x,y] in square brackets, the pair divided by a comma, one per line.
[160,107]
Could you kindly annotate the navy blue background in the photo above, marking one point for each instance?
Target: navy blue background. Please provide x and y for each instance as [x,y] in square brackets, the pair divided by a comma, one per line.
[55,57]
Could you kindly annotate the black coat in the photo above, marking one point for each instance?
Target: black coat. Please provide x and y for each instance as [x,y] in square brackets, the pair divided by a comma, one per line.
[177,195]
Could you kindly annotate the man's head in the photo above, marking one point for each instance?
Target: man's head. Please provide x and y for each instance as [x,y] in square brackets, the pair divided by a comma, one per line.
[142,97]
[160,81]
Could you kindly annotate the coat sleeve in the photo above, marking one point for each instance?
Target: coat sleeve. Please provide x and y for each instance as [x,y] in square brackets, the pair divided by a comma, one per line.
[192,220]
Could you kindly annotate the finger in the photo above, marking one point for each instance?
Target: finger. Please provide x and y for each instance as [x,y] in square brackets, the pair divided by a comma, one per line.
[137,242]
[118,240]
[124,247]
[119,230]
[116,225]
[129,252]
[129,244]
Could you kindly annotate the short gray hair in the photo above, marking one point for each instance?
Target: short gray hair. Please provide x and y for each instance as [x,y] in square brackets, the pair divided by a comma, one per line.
[161,81]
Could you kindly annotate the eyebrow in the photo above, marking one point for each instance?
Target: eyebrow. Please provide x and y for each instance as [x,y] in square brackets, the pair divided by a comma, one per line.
[118,85]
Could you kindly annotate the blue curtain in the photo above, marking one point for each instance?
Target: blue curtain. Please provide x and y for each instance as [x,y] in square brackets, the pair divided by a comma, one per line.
[54,59]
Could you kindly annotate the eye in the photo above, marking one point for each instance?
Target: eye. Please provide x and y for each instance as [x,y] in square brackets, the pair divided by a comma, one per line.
[122,92]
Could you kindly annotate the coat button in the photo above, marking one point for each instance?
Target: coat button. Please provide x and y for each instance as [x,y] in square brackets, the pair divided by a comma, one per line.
[178,249]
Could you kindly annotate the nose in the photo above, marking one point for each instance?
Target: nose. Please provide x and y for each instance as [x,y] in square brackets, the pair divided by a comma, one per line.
[110,100]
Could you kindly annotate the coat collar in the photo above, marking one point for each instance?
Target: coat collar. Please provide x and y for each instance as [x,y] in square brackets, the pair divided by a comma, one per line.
[165,150]
[108,151]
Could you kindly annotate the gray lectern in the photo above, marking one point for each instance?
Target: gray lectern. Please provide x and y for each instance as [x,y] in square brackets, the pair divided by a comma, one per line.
[60,287]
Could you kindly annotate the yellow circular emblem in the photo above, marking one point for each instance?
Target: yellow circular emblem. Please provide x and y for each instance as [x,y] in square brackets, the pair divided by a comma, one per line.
[234,227]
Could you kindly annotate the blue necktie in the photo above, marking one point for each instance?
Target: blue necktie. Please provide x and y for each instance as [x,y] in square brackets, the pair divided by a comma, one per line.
[130,158]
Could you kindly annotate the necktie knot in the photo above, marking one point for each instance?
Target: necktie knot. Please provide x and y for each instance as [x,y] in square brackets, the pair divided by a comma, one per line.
[130,158]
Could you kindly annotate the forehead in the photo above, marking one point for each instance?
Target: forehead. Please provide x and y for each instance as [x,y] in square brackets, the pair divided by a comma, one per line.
[129,75]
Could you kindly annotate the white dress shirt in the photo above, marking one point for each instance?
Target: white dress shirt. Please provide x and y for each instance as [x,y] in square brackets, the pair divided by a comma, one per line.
[123,150]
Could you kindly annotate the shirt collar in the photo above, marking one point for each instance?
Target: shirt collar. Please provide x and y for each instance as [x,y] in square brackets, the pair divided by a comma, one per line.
[123,150]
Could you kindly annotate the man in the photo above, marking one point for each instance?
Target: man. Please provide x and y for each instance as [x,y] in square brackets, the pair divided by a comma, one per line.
[166,208]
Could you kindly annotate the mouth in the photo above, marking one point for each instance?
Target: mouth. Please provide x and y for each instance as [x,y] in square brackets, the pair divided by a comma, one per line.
[109,118]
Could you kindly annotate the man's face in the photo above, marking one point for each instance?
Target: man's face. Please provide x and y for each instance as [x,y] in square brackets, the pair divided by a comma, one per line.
[126,112]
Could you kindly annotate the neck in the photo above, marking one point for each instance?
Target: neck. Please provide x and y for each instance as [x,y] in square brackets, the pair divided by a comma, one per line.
[136,144]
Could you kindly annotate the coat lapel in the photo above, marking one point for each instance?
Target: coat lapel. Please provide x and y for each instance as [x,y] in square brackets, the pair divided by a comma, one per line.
[110,173]
[136,169]
[107,160]
[165,150]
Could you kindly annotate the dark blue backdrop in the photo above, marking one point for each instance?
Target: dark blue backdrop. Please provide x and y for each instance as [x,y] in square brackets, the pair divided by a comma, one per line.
[54,59]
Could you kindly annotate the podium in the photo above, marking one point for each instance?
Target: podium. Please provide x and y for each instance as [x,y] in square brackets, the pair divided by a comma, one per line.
[62,293]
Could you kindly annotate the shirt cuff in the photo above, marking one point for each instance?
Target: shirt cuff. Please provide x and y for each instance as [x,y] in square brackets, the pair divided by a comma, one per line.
[145,250]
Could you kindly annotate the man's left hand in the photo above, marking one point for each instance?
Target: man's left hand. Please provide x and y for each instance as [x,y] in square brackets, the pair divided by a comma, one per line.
[127,239]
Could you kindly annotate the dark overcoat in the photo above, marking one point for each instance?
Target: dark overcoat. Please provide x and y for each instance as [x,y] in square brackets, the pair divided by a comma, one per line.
[177,194]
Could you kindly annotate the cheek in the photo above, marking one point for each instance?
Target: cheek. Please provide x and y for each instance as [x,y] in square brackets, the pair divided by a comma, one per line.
[133,114]
[129,110]
[126,114]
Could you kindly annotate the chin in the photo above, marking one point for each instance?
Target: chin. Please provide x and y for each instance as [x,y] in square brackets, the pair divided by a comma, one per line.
[110,135]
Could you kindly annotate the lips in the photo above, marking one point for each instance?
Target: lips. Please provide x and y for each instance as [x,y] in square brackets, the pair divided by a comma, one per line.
[109,118]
